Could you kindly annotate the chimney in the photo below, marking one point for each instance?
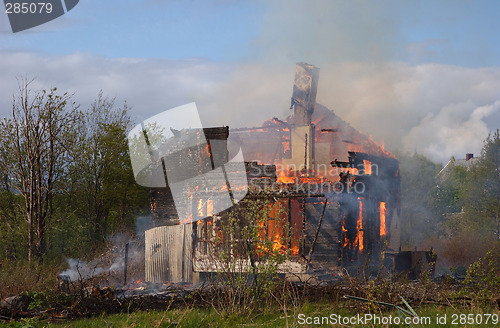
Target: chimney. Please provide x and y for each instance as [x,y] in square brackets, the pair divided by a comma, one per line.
[304,93]
[468,156]
[303,101]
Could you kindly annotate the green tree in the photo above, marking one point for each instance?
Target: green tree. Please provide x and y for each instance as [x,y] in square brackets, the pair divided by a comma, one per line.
[469,199]
[35,145]
[12,225]
[482,189]
[104,191]
[450,192]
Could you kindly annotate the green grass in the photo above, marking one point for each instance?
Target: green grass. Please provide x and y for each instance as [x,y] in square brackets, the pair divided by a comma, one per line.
[173,318]
[191,317]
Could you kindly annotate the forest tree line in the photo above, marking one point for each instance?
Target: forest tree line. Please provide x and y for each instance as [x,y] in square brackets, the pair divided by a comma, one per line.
[453,209]
[66,180]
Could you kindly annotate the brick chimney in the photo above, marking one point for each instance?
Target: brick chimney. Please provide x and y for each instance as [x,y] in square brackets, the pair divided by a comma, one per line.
[468,156]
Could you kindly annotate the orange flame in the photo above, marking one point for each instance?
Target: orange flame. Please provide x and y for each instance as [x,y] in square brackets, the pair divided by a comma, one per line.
[359,227]
[273,230]
[277,245]
[210,207]
[344,230]
[312,180]
[383,228]
[275,226]
[368,166]
[282,178]
[200,208]
[387,153]
[351,170]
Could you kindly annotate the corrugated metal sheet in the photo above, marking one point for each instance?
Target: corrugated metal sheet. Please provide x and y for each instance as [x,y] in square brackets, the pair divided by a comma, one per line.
[169,254]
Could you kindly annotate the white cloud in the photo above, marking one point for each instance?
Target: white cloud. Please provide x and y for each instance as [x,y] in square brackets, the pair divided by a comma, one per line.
[438,110]
[149,86]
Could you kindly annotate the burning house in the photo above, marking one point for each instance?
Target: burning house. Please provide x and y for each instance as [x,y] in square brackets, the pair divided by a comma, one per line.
[338,190]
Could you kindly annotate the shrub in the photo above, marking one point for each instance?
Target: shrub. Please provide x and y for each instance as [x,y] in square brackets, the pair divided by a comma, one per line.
[249,244]
[483,276]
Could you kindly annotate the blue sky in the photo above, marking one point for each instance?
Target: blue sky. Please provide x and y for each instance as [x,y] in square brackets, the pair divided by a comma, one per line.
[452,32]
[414,73]
[148,29]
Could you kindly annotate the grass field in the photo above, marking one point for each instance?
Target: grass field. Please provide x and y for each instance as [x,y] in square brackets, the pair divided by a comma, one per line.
[308,315]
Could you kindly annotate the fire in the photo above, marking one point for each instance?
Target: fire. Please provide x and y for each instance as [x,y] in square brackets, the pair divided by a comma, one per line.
[200,208]
[277,245]
[312,180]
[387,153]
[383,228]
[282,178]
[368,166]
[210,207]
[275,227]
[359,227]
[351,170]
[272,230]
[344,230]
[205,152]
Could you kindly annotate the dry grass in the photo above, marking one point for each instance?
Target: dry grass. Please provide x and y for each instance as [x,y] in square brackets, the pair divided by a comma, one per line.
[23,276]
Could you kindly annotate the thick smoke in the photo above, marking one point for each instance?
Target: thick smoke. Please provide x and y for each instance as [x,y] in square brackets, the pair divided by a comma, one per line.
[435,110]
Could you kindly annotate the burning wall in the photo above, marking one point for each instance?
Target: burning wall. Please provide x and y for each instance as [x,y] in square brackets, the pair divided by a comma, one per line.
[317,149]
[340,189]
[360,179]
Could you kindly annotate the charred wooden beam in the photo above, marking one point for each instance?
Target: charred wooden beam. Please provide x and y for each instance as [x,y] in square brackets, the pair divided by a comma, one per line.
[255,170]
[337,163]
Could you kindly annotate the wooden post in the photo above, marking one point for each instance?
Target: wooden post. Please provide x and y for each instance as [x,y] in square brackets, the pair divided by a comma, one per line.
[125,266]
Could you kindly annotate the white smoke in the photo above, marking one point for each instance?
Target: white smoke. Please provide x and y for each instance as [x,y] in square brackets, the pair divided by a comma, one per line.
[455,129]
[81,270]
[112,262]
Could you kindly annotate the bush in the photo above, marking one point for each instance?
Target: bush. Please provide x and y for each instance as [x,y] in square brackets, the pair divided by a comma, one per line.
[483,276]
[248,246]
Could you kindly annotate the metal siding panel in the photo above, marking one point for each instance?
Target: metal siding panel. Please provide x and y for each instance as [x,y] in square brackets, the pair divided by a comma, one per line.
[168,251]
